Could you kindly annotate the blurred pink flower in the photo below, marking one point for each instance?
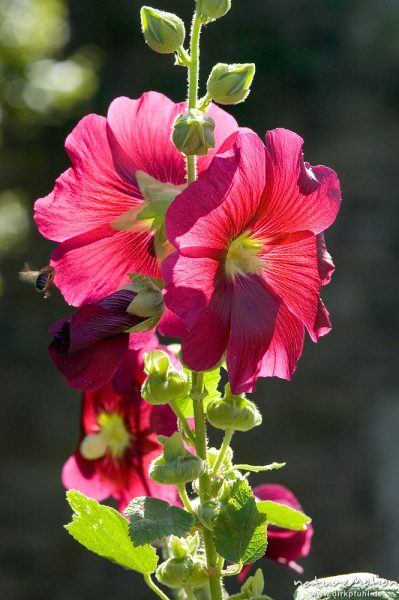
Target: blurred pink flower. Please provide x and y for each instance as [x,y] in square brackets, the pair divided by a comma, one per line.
[118,440]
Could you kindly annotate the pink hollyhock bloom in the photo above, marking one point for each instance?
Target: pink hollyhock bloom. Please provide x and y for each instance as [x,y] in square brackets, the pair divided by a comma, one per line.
[251,257]
[118,164]
[118,442]
[283,546]
[89,345]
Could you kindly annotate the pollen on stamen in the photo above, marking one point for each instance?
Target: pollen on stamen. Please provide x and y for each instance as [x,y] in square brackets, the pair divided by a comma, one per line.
[243,256]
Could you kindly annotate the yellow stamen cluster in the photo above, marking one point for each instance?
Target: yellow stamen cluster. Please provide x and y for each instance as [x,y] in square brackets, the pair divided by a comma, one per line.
[113,437]
[243,256]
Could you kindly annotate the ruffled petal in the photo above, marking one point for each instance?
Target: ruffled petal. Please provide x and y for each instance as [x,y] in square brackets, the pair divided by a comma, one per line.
[221,204]
[292,271]
[91,193]
[81,475]
[139,133]
[93,265]
[326,265]
[297,197]
[253,314]
[322,324]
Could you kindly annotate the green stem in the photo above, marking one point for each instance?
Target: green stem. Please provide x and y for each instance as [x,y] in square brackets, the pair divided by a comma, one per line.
[176,409]
[212,558]
[185,499]
[152,585]
[193,77]
[223,449]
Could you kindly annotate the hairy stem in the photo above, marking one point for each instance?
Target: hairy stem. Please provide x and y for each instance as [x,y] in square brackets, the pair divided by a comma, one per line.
[212,558]
[185,499]
[223,449]
[152,585]
[193,77]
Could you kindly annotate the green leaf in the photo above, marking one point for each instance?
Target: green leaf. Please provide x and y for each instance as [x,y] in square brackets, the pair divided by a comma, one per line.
[348,586]
[283,516]
[240,528]
[104,531]
[152,519]
[211,382]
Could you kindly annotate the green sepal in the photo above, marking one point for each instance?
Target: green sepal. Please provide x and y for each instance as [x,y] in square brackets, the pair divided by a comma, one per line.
[152,519]
[252,588]
[164,32]
[104,531]
[176,465]
[182,572]
[156,191]
[283,516]
[348,586]
[240,528]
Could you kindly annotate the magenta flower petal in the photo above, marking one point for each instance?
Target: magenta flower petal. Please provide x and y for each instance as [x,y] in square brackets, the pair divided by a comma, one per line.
[91,193]
[297,197]
[326,265]
[250,336]
[82,277]
[225,127]
[222,202]
[139,133]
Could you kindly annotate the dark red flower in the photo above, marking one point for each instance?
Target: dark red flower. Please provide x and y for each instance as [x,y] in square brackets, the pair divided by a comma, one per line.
[89,345]
[118,441]
[283,546]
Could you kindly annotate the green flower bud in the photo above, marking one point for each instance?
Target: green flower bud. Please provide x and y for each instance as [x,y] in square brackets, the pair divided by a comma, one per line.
[213,454]
[210,10]
[182,572]
[164,383]
[176,465]
[157,363]
[233,412]
[193,133]
[164,32]
[230,84]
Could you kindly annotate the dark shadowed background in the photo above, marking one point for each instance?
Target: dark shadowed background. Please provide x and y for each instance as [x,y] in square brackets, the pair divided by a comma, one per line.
[328,69]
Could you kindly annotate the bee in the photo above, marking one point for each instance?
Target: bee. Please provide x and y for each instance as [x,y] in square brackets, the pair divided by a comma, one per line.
[42,280]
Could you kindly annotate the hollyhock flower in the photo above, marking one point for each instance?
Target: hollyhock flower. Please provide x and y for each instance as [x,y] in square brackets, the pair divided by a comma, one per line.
[283,546]
[118,442]
[251,257]
[89,345]
[107,210]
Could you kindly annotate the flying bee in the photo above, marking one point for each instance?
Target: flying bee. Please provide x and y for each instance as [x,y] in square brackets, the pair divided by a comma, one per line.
[42,280]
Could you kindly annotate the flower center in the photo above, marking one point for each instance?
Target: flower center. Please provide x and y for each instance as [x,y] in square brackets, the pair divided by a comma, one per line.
[242,256]
[113,437]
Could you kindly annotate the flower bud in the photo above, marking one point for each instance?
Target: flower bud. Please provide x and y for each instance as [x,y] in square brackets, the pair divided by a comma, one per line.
[164,383]
[233,412]
[193,133]
[176,465]
[164,32]
[230,84]
[182,572]
[210,10]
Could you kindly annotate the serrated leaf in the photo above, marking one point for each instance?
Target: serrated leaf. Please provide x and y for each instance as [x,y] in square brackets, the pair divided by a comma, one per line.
[240,528]
[152,519]
[348,586]
[283,516]
[211,382]
[104,531]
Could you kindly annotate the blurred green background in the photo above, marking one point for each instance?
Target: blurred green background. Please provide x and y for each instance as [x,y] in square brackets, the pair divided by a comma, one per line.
[328,69]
